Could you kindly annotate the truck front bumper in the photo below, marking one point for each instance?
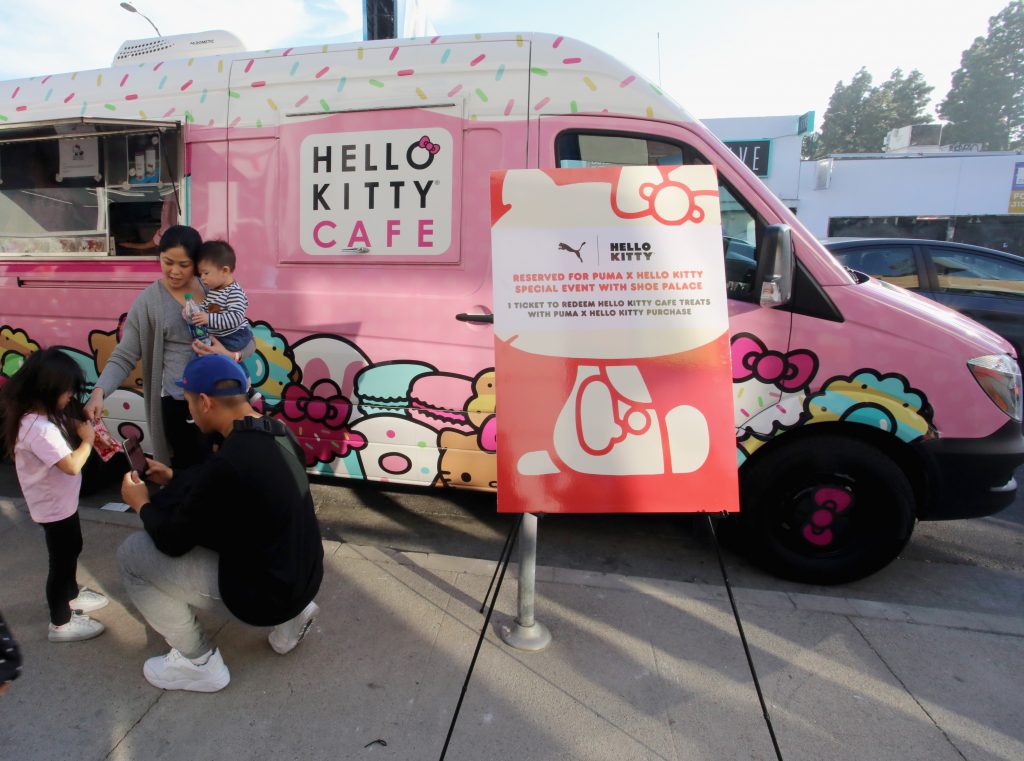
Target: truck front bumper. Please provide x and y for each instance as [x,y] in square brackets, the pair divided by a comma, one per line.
[970,478]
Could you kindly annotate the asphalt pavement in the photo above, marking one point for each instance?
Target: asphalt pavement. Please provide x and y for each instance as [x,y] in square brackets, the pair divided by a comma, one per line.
[640,667]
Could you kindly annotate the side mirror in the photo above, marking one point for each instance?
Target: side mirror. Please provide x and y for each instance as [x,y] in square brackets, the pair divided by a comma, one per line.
[776,265]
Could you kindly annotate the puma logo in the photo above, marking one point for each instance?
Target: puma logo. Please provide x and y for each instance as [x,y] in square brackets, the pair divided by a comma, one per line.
[567,247]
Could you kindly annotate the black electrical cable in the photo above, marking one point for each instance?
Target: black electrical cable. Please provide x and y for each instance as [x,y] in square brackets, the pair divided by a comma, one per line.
[743,639]
[483,631]
[501,559]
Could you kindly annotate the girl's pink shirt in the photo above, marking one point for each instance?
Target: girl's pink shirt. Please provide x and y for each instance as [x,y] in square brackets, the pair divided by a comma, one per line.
[51,494]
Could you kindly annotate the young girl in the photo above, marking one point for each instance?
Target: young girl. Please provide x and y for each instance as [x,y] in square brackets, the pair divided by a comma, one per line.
[36,429]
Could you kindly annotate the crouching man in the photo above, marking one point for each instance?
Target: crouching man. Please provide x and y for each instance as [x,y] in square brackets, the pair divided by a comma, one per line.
[236,535]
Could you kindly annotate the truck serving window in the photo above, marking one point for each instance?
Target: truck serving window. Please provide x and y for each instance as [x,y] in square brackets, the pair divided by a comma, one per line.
[87,187]
[741,226]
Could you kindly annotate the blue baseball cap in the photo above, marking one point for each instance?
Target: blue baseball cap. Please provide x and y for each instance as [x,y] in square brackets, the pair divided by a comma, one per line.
[202,375]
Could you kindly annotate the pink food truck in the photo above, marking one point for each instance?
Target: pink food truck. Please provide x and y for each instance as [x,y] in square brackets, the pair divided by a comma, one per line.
[353,181]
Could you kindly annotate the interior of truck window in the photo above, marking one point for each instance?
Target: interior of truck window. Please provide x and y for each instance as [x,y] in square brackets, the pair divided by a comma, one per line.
[87,188]
[741,226]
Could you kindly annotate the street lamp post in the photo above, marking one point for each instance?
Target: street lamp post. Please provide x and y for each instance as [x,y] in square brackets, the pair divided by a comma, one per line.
[132,9]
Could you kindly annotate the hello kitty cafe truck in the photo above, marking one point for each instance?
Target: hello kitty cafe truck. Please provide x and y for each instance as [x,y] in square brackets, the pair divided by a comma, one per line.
[352,180]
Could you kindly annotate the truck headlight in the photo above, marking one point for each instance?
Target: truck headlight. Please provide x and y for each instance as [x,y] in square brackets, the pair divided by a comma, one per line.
[999,376]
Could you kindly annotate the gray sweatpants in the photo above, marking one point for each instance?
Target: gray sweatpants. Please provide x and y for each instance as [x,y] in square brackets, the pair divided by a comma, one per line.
[167,590]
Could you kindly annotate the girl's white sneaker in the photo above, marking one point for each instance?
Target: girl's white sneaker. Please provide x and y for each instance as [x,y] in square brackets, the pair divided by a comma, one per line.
[78,628]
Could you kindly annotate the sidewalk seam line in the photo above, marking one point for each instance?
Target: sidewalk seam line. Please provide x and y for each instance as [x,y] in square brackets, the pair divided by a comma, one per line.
[906,689]
[135,724]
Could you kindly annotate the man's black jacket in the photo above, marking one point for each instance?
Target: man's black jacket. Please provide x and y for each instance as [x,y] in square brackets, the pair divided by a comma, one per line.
[250,503]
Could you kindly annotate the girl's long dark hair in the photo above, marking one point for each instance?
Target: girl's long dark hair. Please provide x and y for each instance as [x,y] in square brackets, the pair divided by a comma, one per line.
[38,385]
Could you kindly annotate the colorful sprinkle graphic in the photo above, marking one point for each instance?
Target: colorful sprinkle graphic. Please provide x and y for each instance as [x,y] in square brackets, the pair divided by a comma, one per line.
[481,95]
[423,95]
[406,72]
[322,71]
[509,105]
[590,84]
[445,54]
[394,52]
[500,73]
[477,60]
[627,81]
[543,102]
[454,90]
[301,100]
[123,80]
[539,71]
[186,85]
[375,82]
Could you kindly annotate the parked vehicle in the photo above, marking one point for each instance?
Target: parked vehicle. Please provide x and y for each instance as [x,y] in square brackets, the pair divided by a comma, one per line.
[985,284]
[352,180]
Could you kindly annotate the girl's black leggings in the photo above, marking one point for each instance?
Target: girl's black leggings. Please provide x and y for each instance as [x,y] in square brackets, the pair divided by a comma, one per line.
[64,545]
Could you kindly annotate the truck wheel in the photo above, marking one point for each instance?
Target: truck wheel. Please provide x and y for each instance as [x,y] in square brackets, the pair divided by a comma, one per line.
[825,510]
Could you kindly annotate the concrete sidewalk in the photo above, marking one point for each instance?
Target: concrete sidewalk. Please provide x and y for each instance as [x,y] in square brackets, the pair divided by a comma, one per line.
[638,669]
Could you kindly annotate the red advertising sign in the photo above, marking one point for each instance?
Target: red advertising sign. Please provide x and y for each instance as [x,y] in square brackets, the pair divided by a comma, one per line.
[612,342]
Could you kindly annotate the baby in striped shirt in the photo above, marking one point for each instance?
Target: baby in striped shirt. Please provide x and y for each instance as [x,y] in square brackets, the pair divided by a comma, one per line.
[223,309]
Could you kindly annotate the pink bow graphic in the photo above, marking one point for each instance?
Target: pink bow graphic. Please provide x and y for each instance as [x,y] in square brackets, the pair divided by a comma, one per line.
[830,503]
[752,359]
[426,145]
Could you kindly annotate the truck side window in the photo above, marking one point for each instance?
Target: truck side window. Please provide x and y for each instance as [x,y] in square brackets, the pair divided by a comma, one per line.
[108,189]
[741,227]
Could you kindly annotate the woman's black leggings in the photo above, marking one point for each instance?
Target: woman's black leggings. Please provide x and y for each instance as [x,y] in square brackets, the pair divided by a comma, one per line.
[188,444]
[64,545]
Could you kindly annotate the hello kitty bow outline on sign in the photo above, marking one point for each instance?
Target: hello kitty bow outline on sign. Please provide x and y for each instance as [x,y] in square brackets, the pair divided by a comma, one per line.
[663,200]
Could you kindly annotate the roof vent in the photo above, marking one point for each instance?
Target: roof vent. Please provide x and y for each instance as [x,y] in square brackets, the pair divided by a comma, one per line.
[178,46]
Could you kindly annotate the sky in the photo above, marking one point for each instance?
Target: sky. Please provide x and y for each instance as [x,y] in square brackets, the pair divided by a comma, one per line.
[717,59]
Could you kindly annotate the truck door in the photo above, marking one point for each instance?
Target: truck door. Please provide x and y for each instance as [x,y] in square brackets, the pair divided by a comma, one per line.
[566,142]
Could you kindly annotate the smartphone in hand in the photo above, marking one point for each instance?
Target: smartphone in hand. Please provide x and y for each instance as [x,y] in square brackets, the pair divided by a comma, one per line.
[136,457]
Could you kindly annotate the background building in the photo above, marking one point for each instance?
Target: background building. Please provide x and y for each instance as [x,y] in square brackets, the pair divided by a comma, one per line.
[918,188]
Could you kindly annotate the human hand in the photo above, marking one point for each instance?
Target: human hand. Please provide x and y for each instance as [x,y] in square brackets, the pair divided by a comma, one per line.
[134,492]
[214,347]
[158,473]
[85,431]
[93,408]
[200,318]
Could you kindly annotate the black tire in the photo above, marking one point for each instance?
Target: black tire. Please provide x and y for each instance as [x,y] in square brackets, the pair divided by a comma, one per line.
[825,510]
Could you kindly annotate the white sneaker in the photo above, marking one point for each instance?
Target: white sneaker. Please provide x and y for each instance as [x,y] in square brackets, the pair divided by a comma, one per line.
[176,672]
[88,601]
[285,637]
[75,630]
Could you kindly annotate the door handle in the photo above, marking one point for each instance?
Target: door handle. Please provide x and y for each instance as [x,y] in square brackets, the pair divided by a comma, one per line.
[474,317]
